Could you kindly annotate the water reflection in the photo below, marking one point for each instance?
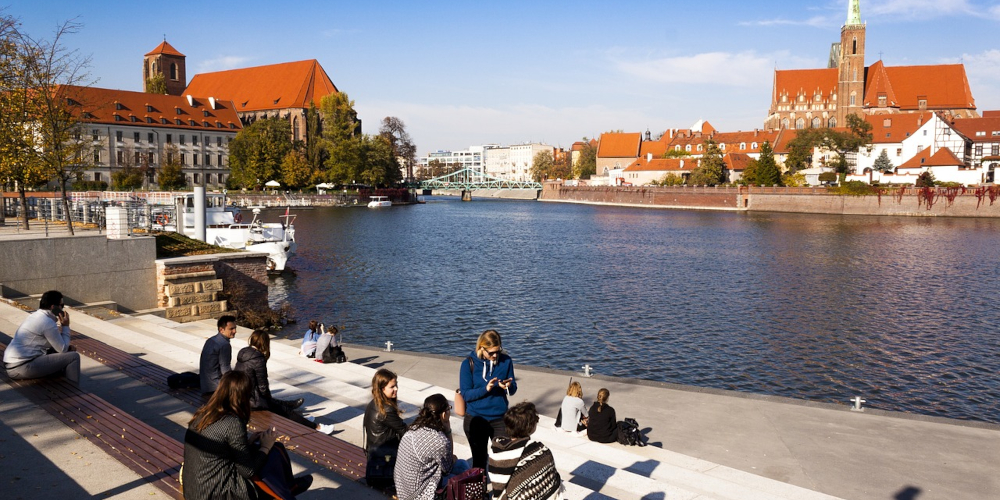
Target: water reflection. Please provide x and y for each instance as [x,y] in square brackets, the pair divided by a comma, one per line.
[897,310]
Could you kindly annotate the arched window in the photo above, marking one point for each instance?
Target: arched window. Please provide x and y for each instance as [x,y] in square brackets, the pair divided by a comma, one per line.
[753,145]
[854,47]
[173,71]
[816,122]
[852,98]
[687,148]
[743,146]
[784,123]
[800,123]
[832,122]
[295,128]
[699,147]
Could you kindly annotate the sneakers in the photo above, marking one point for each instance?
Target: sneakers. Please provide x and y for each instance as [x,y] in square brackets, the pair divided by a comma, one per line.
[325,428]
[301,484]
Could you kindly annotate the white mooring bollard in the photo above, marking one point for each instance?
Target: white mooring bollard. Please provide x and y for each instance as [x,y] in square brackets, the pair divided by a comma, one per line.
[388,346]
[857,403]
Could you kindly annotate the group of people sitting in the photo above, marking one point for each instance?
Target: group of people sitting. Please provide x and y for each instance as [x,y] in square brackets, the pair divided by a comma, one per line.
[598,424]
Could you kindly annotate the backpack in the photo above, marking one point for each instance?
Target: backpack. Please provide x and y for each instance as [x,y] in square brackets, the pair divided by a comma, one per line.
[629,434]
[186,380]
[334,354]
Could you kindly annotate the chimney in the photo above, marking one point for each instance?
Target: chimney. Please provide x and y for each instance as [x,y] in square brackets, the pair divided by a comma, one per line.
[190,99]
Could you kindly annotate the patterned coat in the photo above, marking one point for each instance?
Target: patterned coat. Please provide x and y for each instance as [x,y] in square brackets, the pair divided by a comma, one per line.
[424,458]
[522,469]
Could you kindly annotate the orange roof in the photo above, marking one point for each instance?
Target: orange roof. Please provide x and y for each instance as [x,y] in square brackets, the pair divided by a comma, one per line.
[942,158]
[877,81]
[991,113]
[165,48]
[895,127]
[979,129]
[276,86]
[736,161]
[619,145]
[663,165]
[944,86]
[806,81]
[657,148]
[123,107]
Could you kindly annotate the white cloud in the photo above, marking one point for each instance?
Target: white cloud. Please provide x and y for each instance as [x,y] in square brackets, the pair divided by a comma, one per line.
[919,9]
[815,22]
[983,70]
[222,63]
[722,68]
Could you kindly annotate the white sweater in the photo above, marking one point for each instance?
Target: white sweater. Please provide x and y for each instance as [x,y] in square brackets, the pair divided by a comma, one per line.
[34,337]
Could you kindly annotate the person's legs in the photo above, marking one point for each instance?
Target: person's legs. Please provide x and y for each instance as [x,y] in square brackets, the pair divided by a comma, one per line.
[478,431]
[47,364]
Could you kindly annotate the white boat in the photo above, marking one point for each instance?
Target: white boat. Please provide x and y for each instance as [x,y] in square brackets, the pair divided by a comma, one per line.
[379,201]
[227,226]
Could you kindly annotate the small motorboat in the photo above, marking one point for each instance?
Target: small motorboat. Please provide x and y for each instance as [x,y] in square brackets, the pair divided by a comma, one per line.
[379,202]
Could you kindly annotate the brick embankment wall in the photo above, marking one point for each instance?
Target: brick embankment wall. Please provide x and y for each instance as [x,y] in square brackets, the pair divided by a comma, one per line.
[700,198]
[967,205]
[243,277]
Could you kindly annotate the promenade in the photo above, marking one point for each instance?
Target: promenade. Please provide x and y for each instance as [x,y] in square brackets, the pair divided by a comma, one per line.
[703,443]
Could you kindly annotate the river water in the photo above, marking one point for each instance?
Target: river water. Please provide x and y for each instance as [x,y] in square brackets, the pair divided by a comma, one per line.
[901,311]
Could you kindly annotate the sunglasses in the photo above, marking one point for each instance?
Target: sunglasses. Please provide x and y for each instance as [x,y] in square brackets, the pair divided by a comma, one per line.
[493,353]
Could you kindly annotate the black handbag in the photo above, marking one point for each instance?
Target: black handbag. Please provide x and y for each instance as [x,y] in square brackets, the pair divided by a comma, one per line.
[381,464]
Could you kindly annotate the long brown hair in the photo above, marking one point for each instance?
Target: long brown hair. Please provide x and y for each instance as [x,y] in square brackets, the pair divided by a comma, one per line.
[379,381]
[261,341]
[231,398]
[602,398]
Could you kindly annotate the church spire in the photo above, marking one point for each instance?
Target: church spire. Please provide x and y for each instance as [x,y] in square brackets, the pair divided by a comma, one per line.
[853,12]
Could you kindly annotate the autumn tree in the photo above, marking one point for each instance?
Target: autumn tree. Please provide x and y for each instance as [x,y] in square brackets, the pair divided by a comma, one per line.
[156,84]
[586,163]
[676,153]
[295,170]
[170,176]
[712,169]
[541,166]
[394,130]
[130,176]
[256,153]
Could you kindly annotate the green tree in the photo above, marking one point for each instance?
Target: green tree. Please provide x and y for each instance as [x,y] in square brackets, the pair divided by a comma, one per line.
[156,84]
[767,172]
[340,120]
[845,143]
[586,163]
[749,177]
[542,166]
[676,153]
[317,150]
[170,177]
[711,171]
[130,176]
[883,163]
[365,158]
[925,179]
[295,170]
[257,151]
[670,180]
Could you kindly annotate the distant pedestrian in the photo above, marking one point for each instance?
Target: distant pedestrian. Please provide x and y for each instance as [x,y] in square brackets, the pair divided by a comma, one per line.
[520,468]
[308,348]
[486,379]
[602,425]
[574,416]
[40,346]
[217,355]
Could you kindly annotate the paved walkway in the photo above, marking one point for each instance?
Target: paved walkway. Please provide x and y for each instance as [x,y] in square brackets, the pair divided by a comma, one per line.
[705,443]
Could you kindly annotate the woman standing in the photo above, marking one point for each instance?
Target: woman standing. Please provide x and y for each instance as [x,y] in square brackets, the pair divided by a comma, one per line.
[220,459]
[425,452]
[486,379]
[309,340]
[602,425]
[383,429]
[574,418]
[252,360]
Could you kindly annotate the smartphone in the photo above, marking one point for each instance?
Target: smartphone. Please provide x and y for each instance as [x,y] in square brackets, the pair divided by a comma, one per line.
[57,310]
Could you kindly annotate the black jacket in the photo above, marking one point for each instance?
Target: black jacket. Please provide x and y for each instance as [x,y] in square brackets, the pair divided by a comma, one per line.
[381,429]
[601,425]
[252,362]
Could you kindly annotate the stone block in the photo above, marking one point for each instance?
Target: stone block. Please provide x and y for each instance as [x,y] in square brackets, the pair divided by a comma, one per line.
[182,289]
[211,286]
[209,308]
[179,312]
[191,299]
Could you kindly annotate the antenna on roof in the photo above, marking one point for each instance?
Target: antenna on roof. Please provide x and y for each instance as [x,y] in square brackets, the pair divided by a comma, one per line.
[164,37]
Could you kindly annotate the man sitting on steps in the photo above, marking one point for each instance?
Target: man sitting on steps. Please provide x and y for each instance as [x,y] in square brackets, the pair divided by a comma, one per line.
[217,355]
[41,344]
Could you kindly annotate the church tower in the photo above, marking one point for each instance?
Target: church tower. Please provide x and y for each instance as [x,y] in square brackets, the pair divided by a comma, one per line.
[851,67]
[166,61]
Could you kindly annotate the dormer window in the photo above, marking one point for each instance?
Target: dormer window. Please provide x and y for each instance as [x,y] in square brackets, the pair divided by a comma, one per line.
[205,113]
[71,102]
[149,109]
[743,146]
[881,100]
[133,118]
[753,146]
[699,147]
[722,146]
[687,148]
[192,123]
[118,117]
[178,121]
[177,111]
[119,106]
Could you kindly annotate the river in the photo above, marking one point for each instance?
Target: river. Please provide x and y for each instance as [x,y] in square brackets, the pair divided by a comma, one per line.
[900,311]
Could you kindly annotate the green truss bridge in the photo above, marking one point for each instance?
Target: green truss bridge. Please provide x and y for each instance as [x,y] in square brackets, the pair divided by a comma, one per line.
[468,180]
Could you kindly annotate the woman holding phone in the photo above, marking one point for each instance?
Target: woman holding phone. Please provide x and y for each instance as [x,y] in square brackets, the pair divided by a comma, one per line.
[486,380]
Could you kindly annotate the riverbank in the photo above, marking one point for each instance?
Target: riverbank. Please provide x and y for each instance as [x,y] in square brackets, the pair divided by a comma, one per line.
[935,202]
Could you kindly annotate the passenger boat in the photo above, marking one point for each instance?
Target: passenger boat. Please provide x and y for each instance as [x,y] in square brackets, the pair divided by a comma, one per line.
[379,202]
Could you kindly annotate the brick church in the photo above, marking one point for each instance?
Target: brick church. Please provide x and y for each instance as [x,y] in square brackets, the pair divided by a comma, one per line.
[812,98]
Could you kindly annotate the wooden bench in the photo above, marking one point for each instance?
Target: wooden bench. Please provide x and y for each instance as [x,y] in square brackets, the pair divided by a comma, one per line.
[145,450]
[333,453]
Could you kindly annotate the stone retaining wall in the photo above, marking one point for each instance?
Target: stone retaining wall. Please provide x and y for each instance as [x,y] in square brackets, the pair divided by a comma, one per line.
[208,286]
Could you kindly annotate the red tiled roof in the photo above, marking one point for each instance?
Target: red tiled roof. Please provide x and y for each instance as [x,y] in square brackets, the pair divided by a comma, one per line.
[878,84]
[986,125]
[165,48]
[942,158]
[736,161]
[657,148]
[993,113]
[276,86]
[944,86]
[807,81]
[895,127]
[663,165]
[619,145]
[148,110]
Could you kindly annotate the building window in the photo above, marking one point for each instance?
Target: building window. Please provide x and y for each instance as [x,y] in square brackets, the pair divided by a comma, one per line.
[194,159]
[137,157]
[753,145]
[149,109]
[170,139]
[182,139]
[149,137]
[208,160]
[194,140]
[832,123]
[699,147]
[197,179]
[784,123]
[219,158]
[96,134]
[150,158]
[183,159]
[995,150]
[687,148]
[119,106]
[218,141]
[852,99]
[979,150]
[97,176]
[97,155]
[173,71]
[135,137]
[208,178]
[118,136]
[121,156]
[899,151]
[800,123]
[881,100]
[922,103]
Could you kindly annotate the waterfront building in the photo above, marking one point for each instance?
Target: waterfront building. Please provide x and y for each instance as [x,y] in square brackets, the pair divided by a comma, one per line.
[141,130]
[813,98]
[452,161]
[522,159]
[983,135]
[616,151]
[496,161]
[650,169]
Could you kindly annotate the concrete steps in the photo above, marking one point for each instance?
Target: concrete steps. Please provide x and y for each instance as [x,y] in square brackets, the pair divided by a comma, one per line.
[591,468]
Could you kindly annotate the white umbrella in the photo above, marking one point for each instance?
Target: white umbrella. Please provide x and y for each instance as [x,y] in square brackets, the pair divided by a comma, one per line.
[324,186]
[273,184]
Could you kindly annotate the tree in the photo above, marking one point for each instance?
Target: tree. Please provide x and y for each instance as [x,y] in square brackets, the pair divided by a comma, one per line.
[883,163]
[156,84]
[317,151]
[295,170]
[845,143]
[340,120]
[171,175]
[257,152]
[394,130]
[749,177]
[670,180]
[767,172]
[130,176]
[711,171]
[925,179]
[586,164]
[676,153]
[365,158]
[541,166]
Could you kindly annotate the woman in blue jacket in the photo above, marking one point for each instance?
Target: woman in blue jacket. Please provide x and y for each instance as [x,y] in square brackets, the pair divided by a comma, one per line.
[485,380]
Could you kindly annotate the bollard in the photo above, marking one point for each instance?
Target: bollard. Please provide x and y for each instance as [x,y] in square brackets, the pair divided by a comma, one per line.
[587,370]
[388,346]
[857,403]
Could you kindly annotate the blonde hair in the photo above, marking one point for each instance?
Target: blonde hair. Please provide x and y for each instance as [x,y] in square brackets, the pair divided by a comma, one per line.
[602,398]
[487,340]
[379,381]
[575,390]
[261,341]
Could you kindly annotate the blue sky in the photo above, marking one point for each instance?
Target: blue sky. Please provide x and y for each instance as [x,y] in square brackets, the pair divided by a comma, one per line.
[466,73]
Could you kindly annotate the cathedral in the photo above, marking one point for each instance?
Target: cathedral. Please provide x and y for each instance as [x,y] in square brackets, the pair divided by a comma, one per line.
[812,98]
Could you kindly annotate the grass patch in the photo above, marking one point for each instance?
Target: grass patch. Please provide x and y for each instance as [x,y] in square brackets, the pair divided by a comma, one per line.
[170,244]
